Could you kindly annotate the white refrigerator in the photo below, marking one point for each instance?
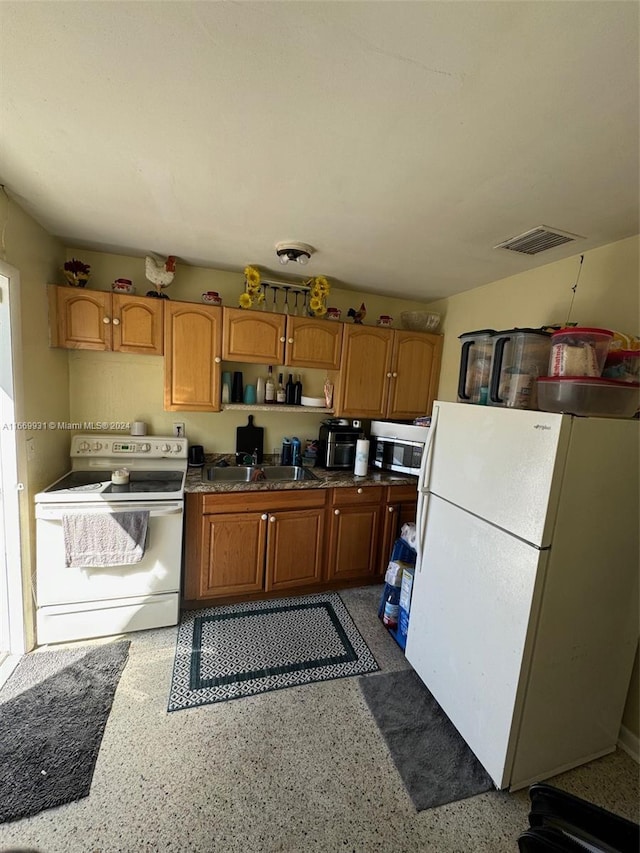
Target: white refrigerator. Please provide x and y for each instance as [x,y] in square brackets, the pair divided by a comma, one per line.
[524,614]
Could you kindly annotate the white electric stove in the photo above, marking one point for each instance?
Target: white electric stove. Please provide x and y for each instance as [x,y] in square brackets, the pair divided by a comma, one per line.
[79,603]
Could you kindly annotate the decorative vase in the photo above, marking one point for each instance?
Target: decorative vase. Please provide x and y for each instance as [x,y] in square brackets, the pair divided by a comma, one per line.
[75,280]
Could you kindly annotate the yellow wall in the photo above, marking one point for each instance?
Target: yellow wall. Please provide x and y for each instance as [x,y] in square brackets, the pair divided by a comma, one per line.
[44,383]
[119,387]
[607,296]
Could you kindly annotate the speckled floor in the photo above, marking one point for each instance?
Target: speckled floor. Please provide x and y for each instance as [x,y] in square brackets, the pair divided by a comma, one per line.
[303,769]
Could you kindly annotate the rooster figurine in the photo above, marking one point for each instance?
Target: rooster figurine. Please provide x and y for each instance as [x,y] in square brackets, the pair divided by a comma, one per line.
[160,273]
[359,315]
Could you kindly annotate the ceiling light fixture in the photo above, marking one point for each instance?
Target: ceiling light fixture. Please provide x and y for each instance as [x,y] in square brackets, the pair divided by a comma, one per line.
[298,253]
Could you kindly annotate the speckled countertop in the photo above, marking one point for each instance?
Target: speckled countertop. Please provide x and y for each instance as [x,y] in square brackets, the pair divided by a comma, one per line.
[325,479]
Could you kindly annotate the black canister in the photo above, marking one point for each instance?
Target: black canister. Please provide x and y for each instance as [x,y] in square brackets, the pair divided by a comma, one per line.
[237,390]
[287,452]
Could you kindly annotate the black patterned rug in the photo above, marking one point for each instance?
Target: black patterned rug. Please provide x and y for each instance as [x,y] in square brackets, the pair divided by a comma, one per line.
[243,649]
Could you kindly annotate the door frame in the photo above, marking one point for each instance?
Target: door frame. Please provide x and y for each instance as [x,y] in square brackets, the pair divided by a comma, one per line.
[11,582]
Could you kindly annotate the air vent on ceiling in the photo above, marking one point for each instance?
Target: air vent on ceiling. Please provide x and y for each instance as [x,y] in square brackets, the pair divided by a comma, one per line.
[538,240]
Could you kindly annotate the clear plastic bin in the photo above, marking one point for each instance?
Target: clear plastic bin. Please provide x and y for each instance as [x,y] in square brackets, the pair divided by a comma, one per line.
[579,351]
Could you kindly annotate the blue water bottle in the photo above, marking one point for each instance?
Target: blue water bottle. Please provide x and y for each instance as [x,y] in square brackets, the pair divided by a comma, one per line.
[296,451]
[285,458]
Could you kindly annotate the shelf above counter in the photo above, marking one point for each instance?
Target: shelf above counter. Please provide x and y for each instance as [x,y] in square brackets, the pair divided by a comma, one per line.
[274,407]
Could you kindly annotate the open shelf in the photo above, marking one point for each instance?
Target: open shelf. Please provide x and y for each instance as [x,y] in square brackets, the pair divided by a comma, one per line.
[273,407]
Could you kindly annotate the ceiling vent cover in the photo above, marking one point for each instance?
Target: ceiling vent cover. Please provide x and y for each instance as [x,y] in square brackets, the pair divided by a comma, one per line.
[538,240]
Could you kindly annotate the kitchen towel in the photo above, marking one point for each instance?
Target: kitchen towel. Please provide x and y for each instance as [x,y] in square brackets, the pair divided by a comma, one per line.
[98,540]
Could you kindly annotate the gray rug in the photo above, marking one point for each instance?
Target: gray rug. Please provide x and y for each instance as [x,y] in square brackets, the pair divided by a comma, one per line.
[435,763]
[239,650]
[53,711]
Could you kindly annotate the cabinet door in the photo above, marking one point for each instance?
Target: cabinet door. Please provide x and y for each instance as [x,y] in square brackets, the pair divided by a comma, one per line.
[192,357]
[313,343]
[232,554]
[295,549]
[84,318]
[137,324]
[365,371]
[253,337]
[353,538]
[415,372]
[399,509]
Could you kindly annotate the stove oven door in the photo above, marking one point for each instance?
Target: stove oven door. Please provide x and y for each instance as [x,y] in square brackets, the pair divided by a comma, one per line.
[76,603]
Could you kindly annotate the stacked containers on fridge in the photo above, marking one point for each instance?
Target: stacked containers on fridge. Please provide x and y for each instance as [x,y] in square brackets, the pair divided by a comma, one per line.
[520,356]
[475,366]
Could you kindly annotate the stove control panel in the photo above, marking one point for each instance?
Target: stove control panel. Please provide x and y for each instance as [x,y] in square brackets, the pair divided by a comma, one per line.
[150,447]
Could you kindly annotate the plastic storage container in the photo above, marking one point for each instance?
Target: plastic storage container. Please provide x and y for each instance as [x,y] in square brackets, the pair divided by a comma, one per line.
[475,366]
[579,351]
[592,396]
[520,356]
[623,365]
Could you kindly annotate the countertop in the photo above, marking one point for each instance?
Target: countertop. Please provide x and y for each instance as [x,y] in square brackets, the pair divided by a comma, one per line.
[326,479]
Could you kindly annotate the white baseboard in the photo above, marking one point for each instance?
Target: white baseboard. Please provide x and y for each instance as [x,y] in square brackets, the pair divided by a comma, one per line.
[630,743]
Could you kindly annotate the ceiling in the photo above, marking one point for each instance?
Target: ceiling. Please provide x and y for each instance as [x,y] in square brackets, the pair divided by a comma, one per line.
[402,140]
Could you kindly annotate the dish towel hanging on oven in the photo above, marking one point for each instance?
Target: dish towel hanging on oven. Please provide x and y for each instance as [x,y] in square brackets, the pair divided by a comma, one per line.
[95,540]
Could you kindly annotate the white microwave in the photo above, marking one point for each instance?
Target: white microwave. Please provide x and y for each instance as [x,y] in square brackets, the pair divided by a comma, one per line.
[397,447]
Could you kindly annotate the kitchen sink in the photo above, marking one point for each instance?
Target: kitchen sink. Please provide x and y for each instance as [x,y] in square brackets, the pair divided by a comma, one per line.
[249,474]
[288,472]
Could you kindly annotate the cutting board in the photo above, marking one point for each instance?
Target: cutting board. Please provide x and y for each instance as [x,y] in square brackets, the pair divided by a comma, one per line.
[250,438]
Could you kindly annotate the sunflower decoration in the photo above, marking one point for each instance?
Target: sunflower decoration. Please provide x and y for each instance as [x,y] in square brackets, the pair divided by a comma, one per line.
[253,294]
[318,291]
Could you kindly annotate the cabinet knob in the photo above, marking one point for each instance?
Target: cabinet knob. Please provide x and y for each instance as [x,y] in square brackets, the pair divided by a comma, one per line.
[264,516]
[290,341]
[116,322]
[282,340]
[272,519]
[336,512]
[388,376]
[359,491]
[106,320]
[394,375]
[392,509]
[217,359]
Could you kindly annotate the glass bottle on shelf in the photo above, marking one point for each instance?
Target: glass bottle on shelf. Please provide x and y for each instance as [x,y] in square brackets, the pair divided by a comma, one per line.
[270,388]
[281,396]
[297,391]
[290,391]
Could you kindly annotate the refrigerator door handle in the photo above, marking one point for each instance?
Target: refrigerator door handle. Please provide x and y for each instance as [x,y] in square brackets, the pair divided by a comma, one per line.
[421,526]
[427,455]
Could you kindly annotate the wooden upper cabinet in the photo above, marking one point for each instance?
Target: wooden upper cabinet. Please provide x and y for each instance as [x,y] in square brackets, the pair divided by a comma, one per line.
[415,368]
[83,318]
[388,373]
[99,320]
[365,371]
[265,338]
[137,324]
[313,343]
[253,336]
[192,336]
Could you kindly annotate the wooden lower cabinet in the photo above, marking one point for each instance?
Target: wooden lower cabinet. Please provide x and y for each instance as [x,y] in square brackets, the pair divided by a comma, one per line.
[233,547]
[295,549]
[400,504]
[255,544]
[354,533]
[243,543]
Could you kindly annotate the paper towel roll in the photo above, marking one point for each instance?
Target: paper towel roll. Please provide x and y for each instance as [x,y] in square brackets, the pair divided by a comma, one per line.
[362,457]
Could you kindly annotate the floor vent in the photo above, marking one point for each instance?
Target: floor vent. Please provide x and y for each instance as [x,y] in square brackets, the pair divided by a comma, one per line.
[538,240]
